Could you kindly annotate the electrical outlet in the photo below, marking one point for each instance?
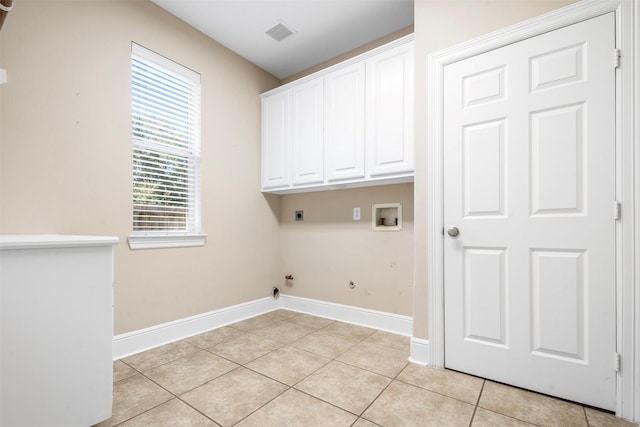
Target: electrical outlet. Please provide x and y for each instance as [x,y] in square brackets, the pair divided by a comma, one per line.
[356,214]
[299,216]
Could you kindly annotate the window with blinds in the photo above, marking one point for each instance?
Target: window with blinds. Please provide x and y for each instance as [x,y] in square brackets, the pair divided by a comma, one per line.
[166,145]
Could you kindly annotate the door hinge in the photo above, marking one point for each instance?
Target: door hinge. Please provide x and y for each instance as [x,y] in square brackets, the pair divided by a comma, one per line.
[616,363]
[616,58]
[617,210]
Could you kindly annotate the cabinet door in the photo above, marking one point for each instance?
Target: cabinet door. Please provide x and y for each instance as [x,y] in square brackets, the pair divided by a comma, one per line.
[390,111]
[307,133]
[275,140]
[344,122]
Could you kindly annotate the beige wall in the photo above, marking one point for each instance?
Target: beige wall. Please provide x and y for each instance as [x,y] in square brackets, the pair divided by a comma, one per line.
[65,164]
[441,24]
[328,249]
[65,152]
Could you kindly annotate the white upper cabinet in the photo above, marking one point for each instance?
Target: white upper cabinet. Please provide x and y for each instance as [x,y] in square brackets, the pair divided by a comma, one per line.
[350,125]
[307,140]
[275,141]
[344,111]
[390,112]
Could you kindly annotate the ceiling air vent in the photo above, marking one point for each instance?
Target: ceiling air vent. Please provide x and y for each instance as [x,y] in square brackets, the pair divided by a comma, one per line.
[279,32]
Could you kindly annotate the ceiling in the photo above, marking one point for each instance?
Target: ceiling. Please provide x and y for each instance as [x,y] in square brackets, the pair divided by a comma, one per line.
[323,29]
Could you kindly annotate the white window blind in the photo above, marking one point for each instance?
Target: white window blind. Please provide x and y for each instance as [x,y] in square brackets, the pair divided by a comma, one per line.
[166,145]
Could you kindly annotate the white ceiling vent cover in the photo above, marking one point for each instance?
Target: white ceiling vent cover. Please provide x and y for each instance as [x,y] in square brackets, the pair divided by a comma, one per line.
[279,31]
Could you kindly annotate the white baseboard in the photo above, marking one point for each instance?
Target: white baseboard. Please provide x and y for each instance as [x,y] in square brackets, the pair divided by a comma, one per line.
[388,322]
[145,339]
[155,336]
[420,352]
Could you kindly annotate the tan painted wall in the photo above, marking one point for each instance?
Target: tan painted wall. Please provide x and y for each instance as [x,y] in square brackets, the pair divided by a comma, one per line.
[441,24]
[65,164]
[328,249]
[65,152]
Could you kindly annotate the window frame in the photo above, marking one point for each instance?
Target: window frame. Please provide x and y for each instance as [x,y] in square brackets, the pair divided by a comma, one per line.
[192,236]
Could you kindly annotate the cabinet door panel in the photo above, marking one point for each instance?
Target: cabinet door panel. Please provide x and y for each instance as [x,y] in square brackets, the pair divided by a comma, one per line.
[344,123]
[390,111]
[307,139]
[275,141]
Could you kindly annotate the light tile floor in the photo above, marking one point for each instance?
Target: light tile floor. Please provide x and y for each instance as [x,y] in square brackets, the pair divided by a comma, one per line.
[291,369]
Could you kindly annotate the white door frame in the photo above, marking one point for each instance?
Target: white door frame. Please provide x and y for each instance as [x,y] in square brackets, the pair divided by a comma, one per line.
[627,178]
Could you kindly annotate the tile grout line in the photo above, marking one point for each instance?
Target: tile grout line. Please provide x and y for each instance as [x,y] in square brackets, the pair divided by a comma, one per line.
[334,359]
[357,340]
[586,417]
[266,376]
[178,397]
[265,404]
[439,393]
[197,348]
[292,387]
[143,375]
[198,411]
[475,407]
[382,391]
[289,387]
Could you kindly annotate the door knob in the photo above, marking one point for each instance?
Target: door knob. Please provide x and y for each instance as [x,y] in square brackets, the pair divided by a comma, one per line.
[453,231]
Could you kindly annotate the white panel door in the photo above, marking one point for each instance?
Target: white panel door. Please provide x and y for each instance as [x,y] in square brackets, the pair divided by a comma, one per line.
[307,136]
[529,183]
[390,111]
[344,123]
[275,141]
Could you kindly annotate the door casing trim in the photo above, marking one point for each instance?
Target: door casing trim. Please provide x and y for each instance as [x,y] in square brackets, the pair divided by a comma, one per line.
[627,15]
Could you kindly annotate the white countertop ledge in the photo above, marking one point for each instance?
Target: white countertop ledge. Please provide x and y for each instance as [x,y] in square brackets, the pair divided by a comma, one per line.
[45,241]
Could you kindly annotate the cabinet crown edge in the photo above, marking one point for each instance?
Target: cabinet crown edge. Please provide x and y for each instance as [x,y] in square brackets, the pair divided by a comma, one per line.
[358,58]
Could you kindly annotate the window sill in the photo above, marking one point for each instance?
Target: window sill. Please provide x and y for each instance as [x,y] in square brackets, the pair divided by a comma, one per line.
[165,241]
